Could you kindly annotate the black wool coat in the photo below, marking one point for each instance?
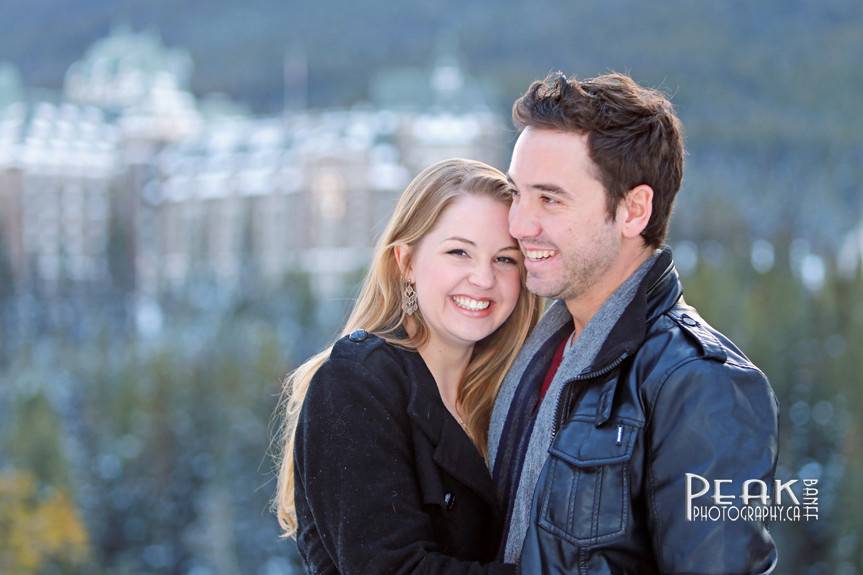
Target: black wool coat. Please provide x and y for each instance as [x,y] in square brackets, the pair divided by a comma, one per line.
[386,481]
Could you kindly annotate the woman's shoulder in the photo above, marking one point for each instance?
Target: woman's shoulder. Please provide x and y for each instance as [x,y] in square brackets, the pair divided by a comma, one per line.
[364,347]
[364,356]
[363,376]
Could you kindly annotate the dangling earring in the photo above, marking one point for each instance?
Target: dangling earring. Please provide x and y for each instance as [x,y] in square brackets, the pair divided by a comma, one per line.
[409,298]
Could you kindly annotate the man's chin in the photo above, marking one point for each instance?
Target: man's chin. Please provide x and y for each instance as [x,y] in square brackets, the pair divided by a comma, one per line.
[543,289]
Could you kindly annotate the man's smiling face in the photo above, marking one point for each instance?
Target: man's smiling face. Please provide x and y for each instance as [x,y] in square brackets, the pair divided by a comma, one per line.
[559,214]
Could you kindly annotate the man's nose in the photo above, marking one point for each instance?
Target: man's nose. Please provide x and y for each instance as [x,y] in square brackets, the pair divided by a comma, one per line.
[522,221]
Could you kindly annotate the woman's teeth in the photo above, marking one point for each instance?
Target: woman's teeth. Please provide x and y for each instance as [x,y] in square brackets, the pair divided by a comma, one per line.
[539,254]
[471,304]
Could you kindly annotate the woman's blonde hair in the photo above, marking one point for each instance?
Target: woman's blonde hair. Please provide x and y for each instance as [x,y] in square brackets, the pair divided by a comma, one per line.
[379,311]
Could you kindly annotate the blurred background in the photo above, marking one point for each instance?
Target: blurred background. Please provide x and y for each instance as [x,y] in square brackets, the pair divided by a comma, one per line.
[189,192]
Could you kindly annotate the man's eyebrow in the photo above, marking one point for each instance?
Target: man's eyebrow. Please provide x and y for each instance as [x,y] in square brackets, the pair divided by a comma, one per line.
[549,188]
[542,187]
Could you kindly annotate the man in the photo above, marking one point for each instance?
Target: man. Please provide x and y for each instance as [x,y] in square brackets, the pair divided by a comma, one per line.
[623,388]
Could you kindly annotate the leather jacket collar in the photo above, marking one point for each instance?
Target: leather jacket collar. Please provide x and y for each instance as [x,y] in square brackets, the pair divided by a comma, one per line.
[659,291]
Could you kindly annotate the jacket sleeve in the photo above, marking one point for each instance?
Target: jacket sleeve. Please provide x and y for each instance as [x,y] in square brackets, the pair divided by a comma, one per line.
[719,421]
[354,466]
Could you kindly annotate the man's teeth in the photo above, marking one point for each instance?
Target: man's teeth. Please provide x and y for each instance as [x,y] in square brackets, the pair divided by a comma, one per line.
[539,254]
[471,304]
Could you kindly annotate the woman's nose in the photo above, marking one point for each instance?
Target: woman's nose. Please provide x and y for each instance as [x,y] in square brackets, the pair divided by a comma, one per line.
[482,276]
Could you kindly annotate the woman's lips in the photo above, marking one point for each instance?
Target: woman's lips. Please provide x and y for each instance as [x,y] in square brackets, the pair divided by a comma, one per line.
[472,306]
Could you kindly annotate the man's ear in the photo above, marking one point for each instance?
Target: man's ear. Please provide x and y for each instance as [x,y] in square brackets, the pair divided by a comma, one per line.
[403,257]
[634,210]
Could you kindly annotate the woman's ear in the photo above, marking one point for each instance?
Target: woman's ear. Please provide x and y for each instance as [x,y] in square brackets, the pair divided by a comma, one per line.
[403,253]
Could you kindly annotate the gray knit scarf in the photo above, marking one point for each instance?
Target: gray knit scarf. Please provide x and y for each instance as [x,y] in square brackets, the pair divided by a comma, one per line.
[577,359]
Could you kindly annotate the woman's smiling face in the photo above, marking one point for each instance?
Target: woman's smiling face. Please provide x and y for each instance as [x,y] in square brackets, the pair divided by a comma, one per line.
[467,271]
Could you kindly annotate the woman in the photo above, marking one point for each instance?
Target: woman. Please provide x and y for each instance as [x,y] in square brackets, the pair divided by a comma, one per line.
[385,432]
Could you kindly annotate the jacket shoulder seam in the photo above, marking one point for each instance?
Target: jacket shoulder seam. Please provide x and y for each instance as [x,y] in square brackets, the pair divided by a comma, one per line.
[356,364]
[686,361]
[348,350]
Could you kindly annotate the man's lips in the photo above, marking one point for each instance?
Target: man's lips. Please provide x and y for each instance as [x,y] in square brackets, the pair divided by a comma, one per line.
[538,254]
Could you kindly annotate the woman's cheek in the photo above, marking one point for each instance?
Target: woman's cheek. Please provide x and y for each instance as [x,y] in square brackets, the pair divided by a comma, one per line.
[514,287]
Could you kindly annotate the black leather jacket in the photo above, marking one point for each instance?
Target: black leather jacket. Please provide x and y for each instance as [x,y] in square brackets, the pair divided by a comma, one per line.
[667,395]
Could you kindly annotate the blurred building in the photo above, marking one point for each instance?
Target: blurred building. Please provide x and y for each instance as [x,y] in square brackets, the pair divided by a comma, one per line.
[126,69]
[70,164]
[126,179]
[57,167]
[255,199]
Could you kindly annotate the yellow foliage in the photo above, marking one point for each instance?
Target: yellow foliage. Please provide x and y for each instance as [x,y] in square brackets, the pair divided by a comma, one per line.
[37,530]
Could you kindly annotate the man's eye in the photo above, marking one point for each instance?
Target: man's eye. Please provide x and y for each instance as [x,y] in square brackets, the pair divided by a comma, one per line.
[548,200]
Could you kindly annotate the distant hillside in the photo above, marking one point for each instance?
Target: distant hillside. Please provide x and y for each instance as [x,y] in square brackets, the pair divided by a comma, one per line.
[768,90]
[763,59]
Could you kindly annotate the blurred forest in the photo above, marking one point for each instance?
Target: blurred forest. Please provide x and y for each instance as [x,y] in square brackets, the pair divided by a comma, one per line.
[125,454]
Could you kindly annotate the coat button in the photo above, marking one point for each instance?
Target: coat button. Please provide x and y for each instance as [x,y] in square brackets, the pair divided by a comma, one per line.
[449,500]
[686,320]
[358,335]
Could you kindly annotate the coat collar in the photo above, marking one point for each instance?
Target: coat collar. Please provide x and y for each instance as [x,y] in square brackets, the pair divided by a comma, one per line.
[658,292]
[453,449]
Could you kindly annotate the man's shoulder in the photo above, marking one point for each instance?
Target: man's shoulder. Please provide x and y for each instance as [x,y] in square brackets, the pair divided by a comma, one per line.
[688,362]
[681,340]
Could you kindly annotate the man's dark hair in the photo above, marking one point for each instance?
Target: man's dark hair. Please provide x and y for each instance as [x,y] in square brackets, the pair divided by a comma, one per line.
[633,136]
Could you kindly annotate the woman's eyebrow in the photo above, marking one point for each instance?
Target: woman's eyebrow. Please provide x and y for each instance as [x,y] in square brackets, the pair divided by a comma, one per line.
[459,239]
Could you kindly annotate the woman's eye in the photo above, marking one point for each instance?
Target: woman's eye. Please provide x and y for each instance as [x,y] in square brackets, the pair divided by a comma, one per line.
[457,252]
[507,260]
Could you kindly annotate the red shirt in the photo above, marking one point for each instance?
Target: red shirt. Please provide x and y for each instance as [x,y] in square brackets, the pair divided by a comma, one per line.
[552,369]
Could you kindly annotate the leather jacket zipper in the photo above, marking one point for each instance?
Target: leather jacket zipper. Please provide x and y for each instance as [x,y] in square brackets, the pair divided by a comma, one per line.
[567,389]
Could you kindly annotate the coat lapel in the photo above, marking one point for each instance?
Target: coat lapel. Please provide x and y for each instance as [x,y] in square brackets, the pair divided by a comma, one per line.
[454,452]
